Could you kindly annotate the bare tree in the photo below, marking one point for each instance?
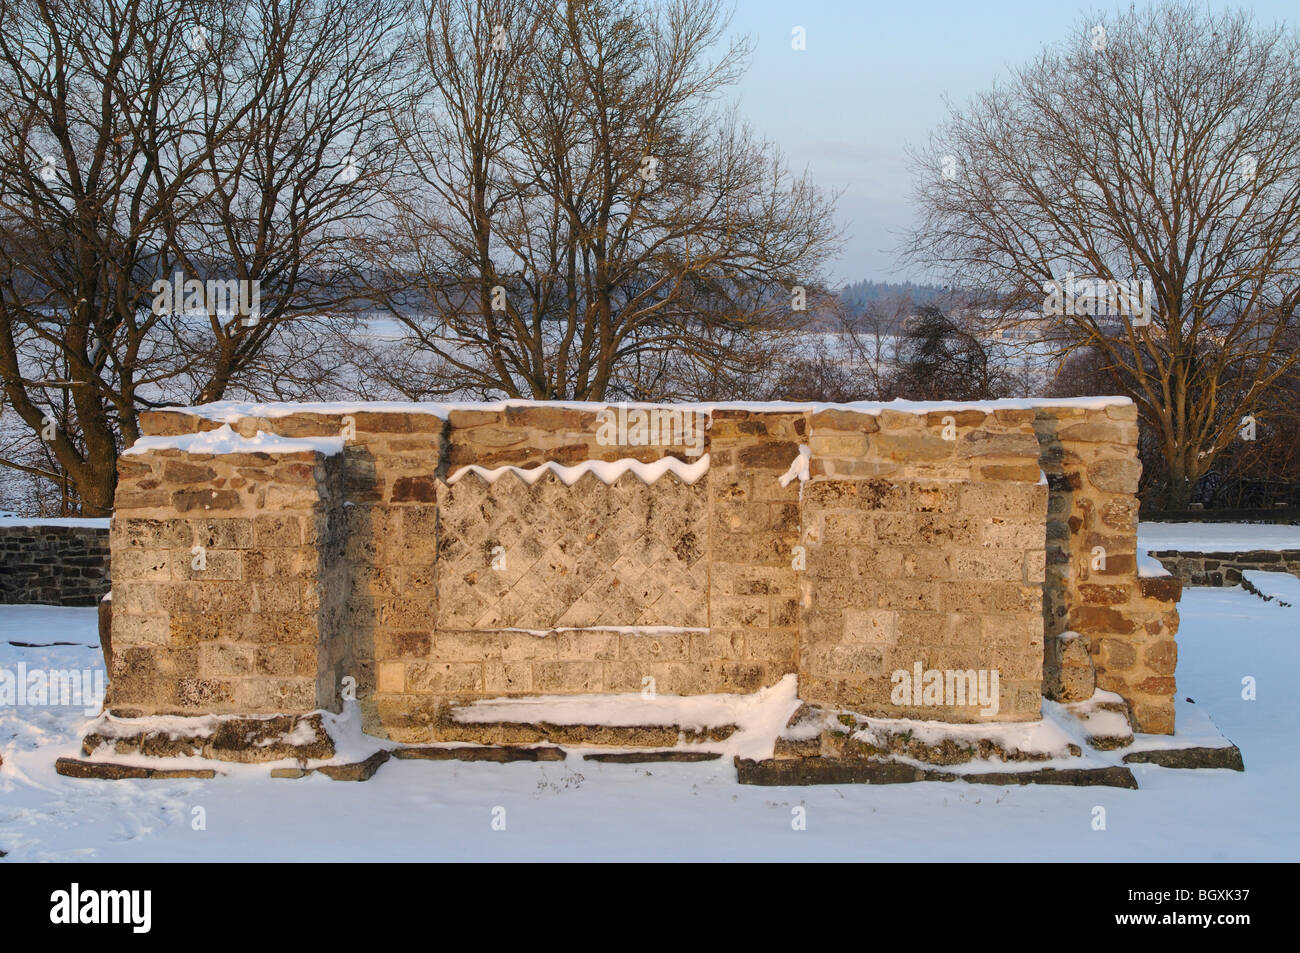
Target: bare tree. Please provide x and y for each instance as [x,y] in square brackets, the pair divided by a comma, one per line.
[1159,146]
[594,225]
[152,141]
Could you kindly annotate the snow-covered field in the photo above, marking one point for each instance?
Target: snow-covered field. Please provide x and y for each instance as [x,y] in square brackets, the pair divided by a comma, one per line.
[1217,537]
[579,810]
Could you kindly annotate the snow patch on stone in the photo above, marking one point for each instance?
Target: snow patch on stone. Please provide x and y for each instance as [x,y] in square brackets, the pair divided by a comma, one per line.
[1029,737]
[224,440]
[230,411]
[1278,586]
[798,467]
[1102,722]
[759,717]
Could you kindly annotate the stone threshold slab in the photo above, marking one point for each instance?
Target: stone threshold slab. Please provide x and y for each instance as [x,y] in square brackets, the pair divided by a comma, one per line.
[113,771]
[806,771]
[498,754]
[649,757]
[578,735]
[356,771]
[1225,757]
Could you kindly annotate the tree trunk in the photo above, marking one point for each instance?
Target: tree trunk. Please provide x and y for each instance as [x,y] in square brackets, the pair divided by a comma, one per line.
[1182,478]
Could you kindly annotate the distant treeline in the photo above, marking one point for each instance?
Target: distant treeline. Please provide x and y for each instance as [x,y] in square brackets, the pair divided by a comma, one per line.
[859,294]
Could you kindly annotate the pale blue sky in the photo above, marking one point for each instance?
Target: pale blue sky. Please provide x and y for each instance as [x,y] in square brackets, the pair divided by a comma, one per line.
[872,79]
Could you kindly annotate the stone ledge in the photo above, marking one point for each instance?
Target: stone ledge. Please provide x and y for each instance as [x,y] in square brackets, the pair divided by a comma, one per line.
[498,754]
[813,732]
[355,771]
[360,771]
[239,740]
[112,771]
[577,736]
[805,771]
[1228,757]
[647,757]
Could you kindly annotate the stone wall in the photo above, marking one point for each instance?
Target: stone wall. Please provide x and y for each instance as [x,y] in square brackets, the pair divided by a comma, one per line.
[59,562]
[231,581]
[754,527]
[842,545]
[1127,623]
[1225,569]
[925,548]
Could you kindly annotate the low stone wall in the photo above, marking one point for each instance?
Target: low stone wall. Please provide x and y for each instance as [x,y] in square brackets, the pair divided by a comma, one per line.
[848,546]
[1225,569]
[59,562]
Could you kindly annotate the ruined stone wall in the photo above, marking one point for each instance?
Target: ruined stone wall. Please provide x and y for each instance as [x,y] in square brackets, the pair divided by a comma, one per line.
[1225,568]
[754,526]
[59,563]
[231,586]
[1127,623]
[912,537]
[925,550]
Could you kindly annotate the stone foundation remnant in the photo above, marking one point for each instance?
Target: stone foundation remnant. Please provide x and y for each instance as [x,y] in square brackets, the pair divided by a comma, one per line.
[61,562]
[941,562]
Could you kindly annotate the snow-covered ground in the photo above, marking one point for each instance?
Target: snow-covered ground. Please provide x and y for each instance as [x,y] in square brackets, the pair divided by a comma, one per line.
[9,519]
[1217,537]
[580,810]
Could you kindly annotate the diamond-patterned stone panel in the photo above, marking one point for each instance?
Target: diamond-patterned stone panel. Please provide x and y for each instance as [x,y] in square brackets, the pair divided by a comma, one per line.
[572,556]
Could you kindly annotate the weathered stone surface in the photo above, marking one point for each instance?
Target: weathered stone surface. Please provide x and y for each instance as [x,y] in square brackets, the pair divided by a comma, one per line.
[845,420]
[106,633]
[1164,590]
[546,555]
[602,736]
[1228,757]
[1068,673]
[109,771]
[254,740]
[982,443]
[415,489]
[1222,569]
[842,741]
[1109,742]
[357,771]
[241,740]
[167,423]
[646,757]
[52,564]
[360,771]
[499,754]
[797,747]
[1110,777]
[1115,475]
[801,771]
[902,574]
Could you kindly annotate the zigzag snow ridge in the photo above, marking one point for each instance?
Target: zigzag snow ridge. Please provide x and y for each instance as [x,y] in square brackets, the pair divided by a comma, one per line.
[607,471]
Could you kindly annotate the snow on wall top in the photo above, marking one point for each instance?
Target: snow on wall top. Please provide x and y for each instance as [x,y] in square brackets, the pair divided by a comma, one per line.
[225,440]
[7,519]
[229,411]
[607,471]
